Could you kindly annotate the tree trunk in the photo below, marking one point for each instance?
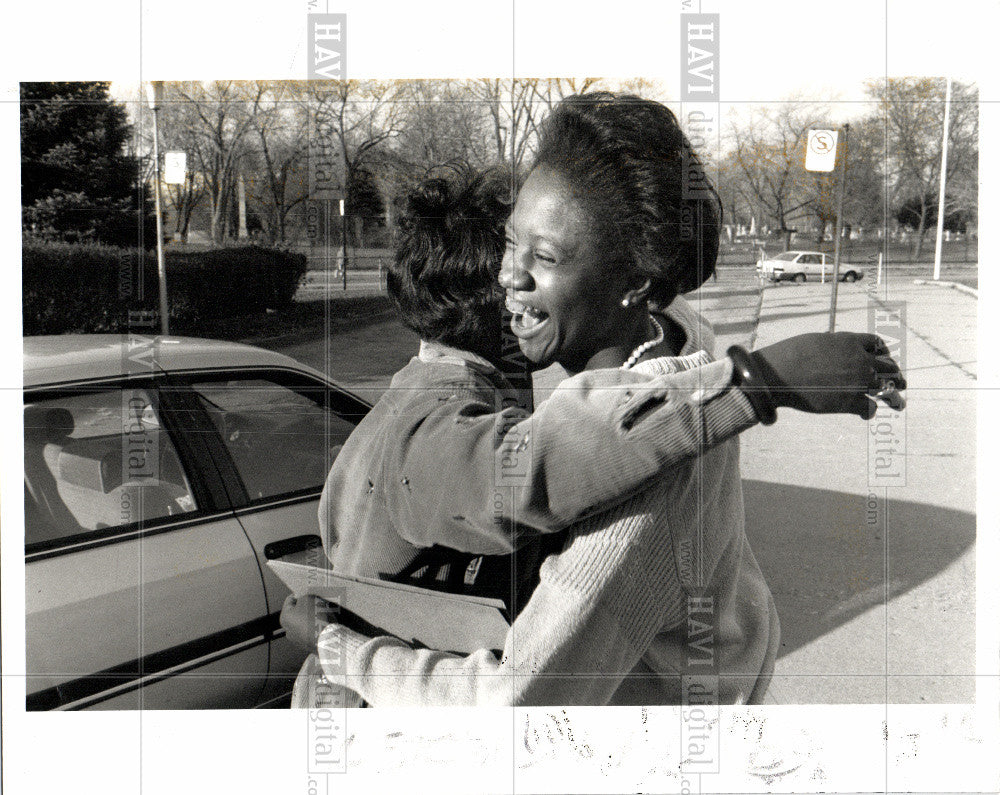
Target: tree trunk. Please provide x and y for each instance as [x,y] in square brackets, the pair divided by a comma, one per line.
[918,244]
[241,192]
[786,235]
[213,229]
[387,204]
[220,213]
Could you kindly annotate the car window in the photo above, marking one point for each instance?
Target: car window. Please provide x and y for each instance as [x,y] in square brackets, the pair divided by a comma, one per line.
[282,439]
[785,256]
[98,460]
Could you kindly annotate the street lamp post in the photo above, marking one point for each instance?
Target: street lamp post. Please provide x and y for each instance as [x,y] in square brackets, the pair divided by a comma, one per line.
[155,95]
[942,181]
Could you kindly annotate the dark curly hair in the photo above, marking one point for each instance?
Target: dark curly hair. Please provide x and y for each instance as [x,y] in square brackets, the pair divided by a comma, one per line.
[448,251]
[628,161]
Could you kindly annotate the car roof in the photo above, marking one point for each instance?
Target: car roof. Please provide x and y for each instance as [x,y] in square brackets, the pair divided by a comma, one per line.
[76,357]
[794,252]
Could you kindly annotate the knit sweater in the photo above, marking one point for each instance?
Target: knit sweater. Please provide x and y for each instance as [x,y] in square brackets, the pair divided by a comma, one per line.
[443,459]
[646,599]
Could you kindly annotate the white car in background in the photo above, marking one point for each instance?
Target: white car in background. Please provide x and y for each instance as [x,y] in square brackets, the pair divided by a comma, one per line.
[800,266]
[159,476]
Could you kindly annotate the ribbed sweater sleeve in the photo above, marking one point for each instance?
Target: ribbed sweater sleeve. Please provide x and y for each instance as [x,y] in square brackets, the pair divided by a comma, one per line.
[597,609]
[466,475]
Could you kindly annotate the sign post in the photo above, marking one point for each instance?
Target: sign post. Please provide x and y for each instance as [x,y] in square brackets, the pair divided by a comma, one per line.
[840,231]
[821,155]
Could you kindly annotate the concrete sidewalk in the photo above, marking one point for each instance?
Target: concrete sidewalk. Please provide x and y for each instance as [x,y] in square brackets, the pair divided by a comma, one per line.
[875,585]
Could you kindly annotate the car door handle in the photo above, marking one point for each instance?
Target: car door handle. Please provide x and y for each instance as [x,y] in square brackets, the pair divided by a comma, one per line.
[278,549]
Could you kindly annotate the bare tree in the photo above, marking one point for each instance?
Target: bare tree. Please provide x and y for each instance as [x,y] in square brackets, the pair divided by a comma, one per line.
[444,124]
[362,117]
[738,203]
[178,125]
[220,116]
[912,114]
[863,188]
[276,152]
[508,103]
[767,155]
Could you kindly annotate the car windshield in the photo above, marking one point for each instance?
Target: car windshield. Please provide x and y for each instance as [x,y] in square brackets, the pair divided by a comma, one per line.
[786,256]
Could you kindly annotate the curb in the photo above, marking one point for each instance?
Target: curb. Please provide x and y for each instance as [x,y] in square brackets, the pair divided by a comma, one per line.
[962,288]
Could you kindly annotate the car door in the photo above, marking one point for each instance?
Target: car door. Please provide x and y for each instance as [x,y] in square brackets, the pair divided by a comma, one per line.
[281,431]
[142,590]
[809,264]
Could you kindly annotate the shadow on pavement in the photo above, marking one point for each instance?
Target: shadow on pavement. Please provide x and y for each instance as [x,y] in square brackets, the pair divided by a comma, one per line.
[715,294]
[770,317]
[823,553]
[733,327]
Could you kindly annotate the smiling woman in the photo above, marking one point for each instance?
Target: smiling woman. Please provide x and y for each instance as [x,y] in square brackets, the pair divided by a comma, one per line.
[602,227]
[560,289]
[603,240]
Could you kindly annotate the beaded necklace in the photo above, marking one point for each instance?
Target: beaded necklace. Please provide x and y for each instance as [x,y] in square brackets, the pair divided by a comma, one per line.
[639,351]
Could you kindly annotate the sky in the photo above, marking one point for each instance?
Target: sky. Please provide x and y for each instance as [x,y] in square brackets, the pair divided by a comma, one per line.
[769,51]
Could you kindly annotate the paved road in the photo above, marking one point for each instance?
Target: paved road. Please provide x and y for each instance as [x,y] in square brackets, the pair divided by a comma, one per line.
[875,586]
[361,359]
[318,284]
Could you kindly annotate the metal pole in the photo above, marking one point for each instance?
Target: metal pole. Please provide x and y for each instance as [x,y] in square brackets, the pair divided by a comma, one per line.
[944,170]
[161,264]
[840,227]
[343,229]
[327,235]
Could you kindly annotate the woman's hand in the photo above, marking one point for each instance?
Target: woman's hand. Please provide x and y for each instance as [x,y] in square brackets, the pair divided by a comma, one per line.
[304,618]
[830,373]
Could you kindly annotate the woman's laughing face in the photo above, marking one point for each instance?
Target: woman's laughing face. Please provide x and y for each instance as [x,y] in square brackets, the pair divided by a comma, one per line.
[564,297]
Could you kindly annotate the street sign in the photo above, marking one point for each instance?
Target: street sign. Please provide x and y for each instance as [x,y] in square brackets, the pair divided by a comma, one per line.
[821,150]
[174,167]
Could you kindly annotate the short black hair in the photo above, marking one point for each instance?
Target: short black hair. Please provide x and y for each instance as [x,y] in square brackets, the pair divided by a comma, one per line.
[443,280]
[630,163]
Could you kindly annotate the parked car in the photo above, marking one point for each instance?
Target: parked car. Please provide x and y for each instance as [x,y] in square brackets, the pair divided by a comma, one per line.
[800,266]
[159,475]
